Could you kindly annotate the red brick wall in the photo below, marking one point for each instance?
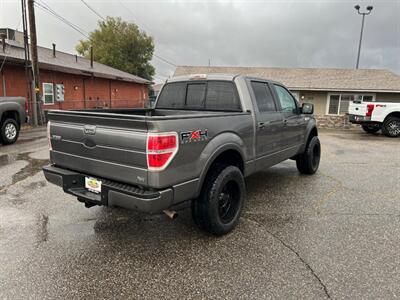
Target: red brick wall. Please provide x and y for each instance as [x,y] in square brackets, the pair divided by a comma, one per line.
[121,93]
[80,91]
[15,81]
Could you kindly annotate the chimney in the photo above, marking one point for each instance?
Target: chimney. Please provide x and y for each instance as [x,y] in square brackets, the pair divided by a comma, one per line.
[54,50]
[76,58]
[91,56]
[3,42]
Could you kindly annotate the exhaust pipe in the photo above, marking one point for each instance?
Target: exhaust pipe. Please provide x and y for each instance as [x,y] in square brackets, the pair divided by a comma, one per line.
[170,214]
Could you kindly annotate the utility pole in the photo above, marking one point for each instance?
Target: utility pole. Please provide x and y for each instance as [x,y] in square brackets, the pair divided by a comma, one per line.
[28,71]
[34,62]
[369,9]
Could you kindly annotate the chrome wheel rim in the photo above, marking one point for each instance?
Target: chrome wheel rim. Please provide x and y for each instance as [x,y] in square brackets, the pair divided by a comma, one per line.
[10,131]
[394,128]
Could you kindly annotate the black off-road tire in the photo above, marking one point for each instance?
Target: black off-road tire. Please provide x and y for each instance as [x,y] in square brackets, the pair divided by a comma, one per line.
[371,128]
[219,206]
[308,162]
[391,127]
[9,132]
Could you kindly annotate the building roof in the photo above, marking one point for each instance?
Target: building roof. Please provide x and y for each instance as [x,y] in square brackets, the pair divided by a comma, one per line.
[361,80]
[68,63]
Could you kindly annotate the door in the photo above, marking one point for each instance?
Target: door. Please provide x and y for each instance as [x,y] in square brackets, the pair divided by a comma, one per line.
[268,125]
[293,121]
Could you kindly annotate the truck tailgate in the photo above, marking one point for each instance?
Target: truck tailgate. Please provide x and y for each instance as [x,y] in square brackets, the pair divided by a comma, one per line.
[358,109]
[104,145]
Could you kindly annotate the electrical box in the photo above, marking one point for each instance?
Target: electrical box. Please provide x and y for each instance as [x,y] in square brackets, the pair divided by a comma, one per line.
[59,92]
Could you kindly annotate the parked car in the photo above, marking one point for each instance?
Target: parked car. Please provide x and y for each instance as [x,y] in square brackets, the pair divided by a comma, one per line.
[13,113]
[205,134]
[375,116]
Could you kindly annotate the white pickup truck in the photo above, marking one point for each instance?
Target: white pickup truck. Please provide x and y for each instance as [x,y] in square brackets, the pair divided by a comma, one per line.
[375,116]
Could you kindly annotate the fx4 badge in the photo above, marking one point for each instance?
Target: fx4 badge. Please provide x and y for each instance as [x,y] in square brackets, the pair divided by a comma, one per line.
[194,136]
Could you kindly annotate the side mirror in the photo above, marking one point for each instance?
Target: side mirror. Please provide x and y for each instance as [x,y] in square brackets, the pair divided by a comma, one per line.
[307,108]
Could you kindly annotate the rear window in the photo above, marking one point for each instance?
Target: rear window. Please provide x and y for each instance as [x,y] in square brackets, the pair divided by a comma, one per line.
[173,95]
[222,95]
[195,95]
[206,95]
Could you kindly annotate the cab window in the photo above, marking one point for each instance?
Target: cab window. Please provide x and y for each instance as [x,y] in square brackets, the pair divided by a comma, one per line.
[288,104]
[264,99]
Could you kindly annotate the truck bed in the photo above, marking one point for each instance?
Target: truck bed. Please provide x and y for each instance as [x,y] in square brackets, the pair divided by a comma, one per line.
[111,143]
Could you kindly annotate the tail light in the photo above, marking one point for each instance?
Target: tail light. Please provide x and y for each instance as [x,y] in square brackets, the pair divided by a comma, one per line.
[161,149]
[48,135]
[370,109]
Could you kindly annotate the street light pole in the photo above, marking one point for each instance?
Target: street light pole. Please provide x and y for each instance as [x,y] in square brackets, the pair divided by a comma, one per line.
[369,9]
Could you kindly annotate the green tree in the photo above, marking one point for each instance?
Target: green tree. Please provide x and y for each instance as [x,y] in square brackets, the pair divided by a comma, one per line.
[121,45]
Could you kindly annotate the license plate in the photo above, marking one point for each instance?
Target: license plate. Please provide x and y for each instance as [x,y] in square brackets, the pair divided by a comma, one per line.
[93,185]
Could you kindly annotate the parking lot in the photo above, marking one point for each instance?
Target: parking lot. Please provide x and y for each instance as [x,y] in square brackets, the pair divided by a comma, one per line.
[332,235]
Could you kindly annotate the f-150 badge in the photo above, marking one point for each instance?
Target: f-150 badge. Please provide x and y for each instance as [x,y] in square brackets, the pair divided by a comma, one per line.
[194,136]
[89,129]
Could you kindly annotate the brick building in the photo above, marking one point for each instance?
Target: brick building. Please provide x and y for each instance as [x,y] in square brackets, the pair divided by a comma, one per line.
[68,81]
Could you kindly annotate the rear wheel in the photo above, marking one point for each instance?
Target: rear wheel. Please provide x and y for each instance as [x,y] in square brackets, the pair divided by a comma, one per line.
[391,127]
[9,131]
[220,204]
[371,128]
[308,162]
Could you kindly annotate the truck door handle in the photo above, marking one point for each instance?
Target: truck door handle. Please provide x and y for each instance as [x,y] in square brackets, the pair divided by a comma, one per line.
[284,122]
[261,125]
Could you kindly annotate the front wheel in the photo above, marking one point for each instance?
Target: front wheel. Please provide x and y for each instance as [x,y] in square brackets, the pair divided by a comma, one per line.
[308,162]
[219,206]
[9,132]
[371,128]
[391,127]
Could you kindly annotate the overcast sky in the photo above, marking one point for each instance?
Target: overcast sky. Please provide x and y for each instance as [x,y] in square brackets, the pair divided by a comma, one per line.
[236,33]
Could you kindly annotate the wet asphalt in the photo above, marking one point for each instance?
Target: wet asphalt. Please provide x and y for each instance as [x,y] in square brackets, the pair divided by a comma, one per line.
[332,235]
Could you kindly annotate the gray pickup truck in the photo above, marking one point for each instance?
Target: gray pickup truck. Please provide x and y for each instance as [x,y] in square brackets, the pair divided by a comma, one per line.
[205,134]
[13,113]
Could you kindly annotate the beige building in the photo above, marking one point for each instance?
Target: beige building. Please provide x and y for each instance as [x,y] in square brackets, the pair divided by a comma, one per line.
[330,90]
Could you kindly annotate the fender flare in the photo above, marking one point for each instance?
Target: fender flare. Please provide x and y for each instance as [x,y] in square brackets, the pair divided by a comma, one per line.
[311,126]
[234,144]
[10,106]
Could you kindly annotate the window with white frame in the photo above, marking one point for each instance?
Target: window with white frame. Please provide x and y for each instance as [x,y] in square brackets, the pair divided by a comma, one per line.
[48,93]
[338,104]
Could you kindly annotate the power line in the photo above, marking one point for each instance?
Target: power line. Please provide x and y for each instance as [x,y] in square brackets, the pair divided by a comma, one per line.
[92,9]
[52,12]
[160,78]
[164,60]
[46,8]
[140,23]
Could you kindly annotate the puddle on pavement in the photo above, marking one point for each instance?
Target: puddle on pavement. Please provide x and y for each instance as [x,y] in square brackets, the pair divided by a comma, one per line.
[6,159]
[34,166]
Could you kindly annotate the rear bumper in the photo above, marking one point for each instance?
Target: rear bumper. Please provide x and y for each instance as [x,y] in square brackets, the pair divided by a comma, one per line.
[112,193]
[356,119]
